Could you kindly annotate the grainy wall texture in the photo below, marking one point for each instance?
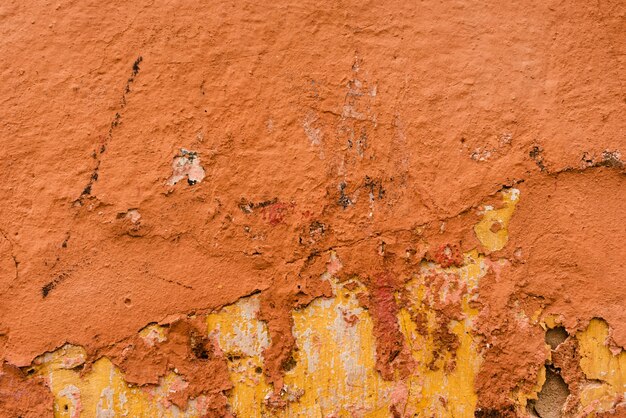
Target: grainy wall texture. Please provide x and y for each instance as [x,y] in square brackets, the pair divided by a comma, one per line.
[312,208]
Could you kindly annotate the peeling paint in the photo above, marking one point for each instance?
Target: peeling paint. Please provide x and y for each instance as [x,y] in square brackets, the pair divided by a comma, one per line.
[492,229]
[605,370]
[102,391]
[385,209]
[333,372]
[186,165]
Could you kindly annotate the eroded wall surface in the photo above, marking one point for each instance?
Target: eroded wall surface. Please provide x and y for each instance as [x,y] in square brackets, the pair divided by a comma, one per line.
[312,209]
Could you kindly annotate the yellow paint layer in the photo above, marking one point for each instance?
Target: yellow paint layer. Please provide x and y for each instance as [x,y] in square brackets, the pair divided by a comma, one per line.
[606,370]
[443,384]
[242,338]
[102,392]
[335,373]
[492,230]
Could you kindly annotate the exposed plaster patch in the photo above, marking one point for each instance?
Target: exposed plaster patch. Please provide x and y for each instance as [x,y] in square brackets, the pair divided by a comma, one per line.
[555,336]
[186,164]
[312,132]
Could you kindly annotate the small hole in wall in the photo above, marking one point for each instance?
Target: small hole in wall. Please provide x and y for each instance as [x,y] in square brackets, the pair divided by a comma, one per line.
[289,364]
[553,395]
[200,349]
[66,407]
[555,336]
[128,302]
[201,353]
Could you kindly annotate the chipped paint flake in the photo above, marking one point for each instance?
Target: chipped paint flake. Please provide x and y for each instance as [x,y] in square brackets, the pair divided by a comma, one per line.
[492,230]
[186,165]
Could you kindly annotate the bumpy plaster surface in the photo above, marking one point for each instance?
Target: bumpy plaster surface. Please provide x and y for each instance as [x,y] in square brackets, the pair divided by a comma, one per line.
[313,209]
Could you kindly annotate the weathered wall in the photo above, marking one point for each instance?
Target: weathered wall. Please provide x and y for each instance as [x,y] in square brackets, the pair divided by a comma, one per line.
[312,209]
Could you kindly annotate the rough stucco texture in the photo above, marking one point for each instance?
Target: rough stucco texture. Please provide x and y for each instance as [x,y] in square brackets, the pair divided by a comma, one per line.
[298,208]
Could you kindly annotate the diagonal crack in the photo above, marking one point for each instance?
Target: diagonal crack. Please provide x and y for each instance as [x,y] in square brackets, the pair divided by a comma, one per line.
[114,124]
